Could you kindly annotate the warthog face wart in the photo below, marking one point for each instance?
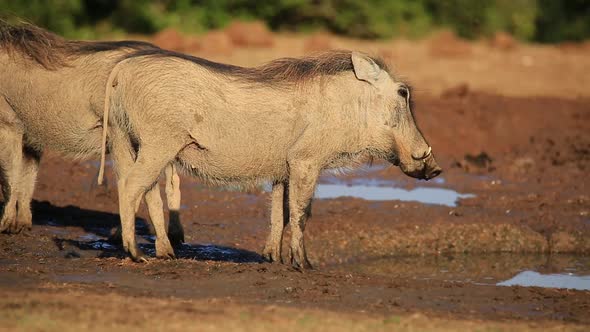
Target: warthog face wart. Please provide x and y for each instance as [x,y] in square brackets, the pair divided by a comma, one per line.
[395,134]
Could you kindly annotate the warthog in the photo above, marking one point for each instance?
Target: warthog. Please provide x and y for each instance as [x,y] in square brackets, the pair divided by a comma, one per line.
[51,96]
[283,122]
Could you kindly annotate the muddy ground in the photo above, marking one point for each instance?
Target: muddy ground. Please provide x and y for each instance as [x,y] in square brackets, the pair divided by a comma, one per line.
[523,155]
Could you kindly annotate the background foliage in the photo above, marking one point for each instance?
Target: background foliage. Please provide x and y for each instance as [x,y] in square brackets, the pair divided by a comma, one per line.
[533,20]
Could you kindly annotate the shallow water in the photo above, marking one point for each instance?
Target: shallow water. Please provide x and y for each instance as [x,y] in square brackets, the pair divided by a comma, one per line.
[556,271]
[366,186]
[424,195]
[535,279]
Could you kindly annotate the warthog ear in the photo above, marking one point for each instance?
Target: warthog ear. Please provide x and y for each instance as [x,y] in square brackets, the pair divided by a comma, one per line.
[365,68]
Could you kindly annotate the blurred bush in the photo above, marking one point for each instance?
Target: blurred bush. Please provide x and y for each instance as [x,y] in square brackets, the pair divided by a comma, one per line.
[471,19]
[563,20]
[534,20]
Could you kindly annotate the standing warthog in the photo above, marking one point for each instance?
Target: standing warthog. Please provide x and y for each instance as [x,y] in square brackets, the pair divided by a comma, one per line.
[284,122]
[52,94]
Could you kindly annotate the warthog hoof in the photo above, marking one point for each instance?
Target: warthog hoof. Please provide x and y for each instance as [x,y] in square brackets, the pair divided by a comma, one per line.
[140,259]
[164,250]
[272,255]
[12,225]
[299,259]
[136,254]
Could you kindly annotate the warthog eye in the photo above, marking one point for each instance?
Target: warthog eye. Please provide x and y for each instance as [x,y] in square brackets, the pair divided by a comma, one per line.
[403,92]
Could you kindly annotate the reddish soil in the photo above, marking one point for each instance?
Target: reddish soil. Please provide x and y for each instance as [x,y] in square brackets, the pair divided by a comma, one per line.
[372,258]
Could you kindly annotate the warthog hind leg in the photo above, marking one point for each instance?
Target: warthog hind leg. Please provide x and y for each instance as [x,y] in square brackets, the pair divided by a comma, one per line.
[116,236]
[175,230]
[279,219]
[123,156]
[127,201]
[302,180]
[156,211]
[136,179]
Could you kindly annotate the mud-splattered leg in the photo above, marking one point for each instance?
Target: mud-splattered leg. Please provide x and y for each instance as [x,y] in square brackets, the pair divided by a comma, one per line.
[175,230]
[29,170]
[11,157]
[302,181]
[279,218]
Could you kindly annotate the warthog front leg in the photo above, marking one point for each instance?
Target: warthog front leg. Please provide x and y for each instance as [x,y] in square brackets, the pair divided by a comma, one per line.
[10,166]
[279,218]
[30,168]
[175,230]
[302,180]
[11,161]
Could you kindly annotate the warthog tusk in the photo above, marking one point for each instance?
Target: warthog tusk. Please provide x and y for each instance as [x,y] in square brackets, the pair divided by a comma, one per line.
[426,155]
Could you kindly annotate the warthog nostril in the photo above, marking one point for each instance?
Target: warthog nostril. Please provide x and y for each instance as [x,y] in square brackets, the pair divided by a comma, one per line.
[424,156]
[433,173]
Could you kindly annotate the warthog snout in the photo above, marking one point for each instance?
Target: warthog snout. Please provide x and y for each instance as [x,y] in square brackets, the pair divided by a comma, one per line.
[431,173]
[422,166]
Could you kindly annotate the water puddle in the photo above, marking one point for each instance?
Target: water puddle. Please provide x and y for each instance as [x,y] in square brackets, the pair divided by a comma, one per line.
[556,271]
[210,252]
[90,237]
[535,279]
[186,251]
[365,184]
[101,245]
[424,195]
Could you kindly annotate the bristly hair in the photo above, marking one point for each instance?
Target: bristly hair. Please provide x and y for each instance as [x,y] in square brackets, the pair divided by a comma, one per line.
[50,50]
[291,70]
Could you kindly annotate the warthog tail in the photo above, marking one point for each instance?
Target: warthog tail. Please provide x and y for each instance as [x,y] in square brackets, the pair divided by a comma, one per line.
[111,84]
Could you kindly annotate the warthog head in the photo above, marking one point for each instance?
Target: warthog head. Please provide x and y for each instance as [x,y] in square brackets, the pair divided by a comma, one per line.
[394,133]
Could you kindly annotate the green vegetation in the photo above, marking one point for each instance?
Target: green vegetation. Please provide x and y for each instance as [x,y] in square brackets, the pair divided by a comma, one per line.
[533,20]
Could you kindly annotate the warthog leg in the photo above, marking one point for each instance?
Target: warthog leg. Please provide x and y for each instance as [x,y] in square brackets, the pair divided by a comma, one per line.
[10,165]
[279,218]
[175,230]
[117,237]
[30,168]
[156,211]
[134,180]
[11,161]
[302,180]
[123,155]
[126,205]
